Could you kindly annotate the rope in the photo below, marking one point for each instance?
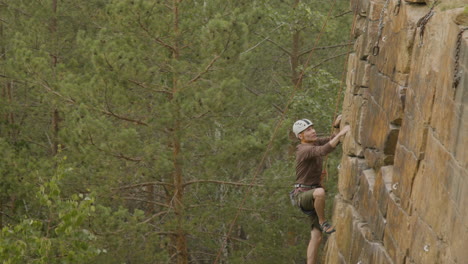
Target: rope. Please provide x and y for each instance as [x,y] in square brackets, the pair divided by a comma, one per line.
[270,143]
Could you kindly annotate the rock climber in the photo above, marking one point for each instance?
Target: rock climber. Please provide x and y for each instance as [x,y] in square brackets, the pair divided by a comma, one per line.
[308,193]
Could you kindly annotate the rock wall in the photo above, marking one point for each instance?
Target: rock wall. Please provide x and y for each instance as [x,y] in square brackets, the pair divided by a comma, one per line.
[403,184]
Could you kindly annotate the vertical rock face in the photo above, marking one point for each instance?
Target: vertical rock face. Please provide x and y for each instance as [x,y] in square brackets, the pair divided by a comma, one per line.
[404,173]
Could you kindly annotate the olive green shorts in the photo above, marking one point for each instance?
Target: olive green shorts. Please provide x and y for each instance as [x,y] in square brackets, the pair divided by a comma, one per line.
[305,200]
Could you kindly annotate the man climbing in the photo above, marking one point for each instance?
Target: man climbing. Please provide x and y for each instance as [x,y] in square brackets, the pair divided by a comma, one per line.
[309,193]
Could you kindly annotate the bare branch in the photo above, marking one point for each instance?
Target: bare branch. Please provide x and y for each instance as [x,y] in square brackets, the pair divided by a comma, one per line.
[257,94]
[143,184]
[146,201]
[221,182]
[342,14]
[263,40]
[154,216]
[328,59]
[110,113]
[120,155]
[143,85]
[205,71]
[326,47]
[157,40]
[276,44]
[49,89]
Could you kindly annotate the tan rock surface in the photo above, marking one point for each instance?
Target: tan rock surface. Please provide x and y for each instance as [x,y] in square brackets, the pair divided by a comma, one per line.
[404,174]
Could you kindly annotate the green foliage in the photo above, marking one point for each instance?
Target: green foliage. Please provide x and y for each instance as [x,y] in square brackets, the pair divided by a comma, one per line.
[135,98]
[57,235]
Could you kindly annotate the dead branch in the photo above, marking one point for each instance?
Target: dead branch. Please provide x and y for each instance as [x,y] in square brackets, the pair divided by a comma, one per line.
[342,14]
[120,155]
[257,94]
[328,59]
[276,44]
[326,47]
[49,89]
[153,216]
[205,71]
[222,182]
[157,40]
[143,184]
[110,113]
[143,85]
[146,201]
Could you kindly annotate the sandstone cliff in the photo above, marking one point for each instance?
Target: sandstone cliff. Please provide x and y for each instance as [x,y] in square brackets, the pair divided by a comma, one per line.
[403,186]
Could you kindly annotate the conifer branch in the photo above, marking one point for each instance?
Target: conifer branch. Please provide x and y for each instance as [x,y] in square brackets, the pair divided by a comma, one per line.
[205,71]
[221,182]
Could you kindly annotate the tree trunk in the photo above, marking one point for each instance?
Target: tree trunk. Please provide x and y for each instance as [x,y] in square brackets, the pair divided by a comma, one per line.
[55,112]
[296,43]
[181,240]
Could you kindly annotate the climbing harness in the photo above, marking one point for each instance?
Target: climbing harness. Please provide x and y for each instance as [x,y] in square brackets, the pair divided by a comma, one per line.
[376,48]
[295,201]
[456,71]
[423,21]
[396,9]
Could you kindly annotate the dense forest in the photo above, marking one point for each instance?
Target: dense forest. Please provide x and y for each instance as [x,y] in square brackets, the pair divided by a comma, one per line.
[144,131]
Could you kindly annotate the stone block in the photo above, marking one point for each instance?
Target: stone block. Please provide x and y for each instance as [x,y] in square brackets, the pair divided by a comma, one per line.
[391,140]
[332,254]
[458,236]
[425,246]
[387,94]
[370,41]
[343,217]
[360,7]
[351,74]
[442,183]
[397,234]
[353,106]
[363,74]
[359,241]
[401,79]
[382,132]
[350,169]
[392,249]
[404,171]
[451,104]
[375,8]
[368,207]
[413,131]
[383,188]
[361,27]
[376,159]
[374,253]
[351,147]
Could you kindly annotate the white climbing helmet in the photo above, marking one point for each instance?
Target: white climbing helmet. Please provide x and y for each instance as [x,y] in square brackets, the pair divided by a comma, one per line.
[301,125]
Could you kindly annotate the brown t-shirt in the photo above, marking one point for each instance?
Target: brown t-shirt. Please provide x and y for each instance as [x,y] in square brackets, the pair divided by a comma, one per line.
[309,159]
